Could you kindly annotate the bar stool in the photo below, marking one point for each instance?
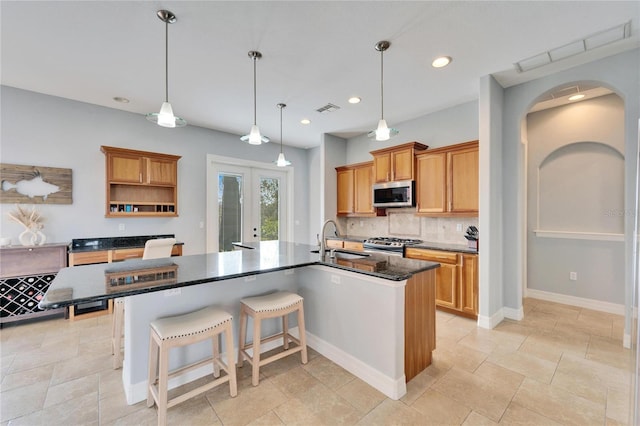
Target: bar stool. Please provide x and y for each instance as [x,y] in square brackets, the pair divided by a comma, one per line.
[274,305]
[182,330]
[153,249]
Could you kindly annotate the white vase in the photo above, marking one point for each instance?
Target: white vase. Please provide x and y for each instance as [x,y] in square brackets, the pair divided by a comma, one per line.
[31,238]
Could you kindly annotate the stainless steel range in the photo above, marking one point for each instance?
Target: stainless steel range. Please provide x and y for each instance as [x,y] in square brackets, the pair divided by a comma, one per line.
[389,245]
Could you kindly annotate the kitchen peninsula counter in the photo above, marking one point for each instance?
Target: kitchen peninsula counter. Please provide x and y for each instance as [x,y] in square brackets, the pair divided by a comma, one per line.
[377,324]
[91,283]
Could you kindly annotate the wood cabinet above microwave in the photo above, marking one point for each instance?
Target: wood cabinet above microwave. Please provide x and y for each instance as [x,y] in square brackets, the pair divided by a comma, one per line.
[447,181]
[396,162]
[354,190]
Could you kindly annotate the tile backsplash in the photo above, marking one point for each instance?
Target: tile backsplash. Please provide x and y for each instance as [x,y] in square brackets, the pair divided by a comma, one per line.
[405,224]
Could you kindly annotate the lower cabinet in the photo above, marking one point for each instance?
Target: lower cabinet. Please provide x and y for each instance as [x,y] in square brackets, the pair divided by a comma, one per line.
[456,279]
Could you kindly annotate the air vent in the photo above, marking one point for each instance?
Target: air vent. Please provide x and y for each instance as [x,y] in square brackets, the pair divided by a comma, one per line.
[328,108]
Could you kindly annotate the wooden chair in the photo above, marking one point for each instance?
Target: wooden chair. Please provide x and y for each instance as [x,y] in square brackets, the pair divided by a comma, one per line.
[153,249]
[171,332]
[274,305]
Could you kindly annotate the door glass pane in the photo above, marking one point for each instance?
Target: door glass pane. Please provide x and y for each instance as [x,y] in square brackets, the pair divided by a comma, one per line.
[269,208]
[230,210]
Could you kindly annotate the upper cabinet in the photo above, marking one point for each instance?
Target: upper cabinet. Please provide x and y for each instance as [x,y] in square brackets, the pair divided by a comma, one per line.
[396,162]
[140,183]
[354,190]
[447,180]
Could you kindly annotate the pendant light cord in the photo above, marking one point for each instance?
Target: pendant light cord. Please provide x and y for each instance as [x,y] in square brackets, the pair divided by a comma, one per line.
[281,106]
[254,91]
[381,85]
[166,60]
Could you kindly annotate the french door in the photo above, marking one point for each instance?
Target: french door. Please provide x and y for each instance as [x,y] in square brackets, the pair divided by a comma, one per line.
[246,204]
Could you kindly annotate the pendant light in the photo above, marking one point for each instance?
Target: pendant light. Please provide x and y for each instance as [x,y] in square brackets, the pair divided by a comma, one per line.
[383,132]
[254,137]
[281,161]
[165,117]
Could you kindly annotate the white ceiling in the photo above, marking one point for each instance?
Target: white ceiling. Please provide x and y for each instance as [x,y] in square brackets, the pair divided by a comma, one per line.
[314,53]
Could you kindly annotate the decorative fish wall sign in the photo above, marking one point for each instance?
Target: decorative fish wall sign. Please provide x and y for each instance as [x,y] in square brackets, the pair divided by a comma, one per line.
[35,185]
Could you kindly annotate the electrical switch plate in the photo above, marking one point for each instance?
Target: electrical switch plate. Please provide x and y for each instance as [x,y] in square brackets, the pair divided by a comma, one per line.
[573,276]
[201,225]
[121,227]
[172,292]
[249,278]
[289,271]
[459,227]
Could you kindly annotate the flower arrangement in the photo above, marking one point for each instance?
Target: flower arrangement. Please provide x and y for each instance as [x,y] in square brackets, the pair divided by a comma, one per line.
[32,221]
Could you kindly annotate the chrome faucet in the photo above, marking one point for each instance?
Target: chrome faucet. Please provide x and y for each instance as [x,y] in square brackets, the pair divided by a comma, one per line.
[322,239]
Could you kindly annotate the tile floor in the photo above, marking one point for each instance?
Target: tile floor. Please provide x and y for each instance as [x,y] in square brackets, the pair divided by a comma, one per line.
[561,365]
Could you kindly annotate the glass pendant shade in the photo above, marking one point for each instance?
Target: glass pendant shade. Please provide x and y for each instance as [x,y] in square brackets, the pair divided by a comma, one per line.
[166,117]
[382,132]
[255,138]
[281,161]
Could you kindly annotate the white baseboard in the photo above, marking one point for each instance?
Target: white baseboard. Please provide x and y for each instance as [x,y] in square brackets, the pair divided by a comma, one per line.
[393,389]
[138,391]
[490,322]
[514,314]
[596,305]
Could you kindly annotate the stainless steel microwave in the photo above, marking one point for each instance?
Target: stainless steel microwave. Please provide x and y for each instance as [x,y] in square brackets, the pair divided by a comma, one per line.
[394,194]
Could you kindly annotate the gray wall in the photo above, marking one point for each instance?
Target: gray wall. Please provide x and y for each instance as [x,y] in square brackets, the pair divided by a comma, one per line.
[446,127]
[620,73]
[576,184]
[41,130]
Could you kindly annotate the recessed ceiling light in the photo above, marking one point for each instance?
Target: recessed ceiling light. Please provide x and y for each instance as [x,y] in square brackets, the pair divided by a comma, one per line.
[576,97]
[305,121]
[121,100]
[441,61]
[354,100]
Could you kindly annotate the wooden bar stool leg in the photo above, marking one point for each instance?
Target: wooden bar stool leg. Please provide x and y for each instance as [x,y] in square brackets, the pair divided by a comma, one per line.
[216,355]
[255,364]
[285,331]
[153,368]
[303,336]
[231,365]
[243,336]
[163,385]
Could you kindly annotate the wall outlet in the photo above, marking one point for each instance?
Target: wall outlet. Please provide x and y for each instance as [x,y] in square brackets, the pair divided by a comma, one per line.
[459,227]
[172,292]
[361,223]
[573,276]
[201,225]
[249,278]
[289,271]
[121,227]
[335,279]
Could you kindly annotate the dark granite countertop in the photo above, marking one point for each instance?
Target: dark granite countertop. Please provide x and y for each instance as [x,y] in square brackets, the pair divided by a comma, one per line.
[88,283]
[79,245]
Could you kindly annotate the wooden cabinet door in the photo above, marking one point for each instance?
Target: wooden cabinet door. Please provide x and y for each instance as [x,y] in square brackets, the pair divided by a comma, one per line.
[363,203]
[402,164]
[345,191]
[469,284]
[447,285]
[382,167]
[430,183]
[463,180]
[125,168]
[161,172]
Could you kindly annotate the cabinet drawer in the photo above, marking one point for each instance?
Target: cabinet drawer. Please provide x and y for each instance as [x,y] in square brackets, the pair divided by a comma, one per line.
[334,243]
[32,260]
[432,255]
[124,254]
[88,258]
[352,245]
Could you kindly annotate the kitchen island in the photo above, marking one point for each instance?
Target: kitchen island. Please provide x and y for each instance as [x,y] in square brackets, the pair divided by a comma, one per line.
[373,315]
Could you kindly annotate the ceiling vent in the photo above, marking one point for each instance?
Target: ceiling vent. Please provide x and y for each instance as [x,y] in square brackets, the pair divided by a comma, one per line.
[602,38]
[328,108]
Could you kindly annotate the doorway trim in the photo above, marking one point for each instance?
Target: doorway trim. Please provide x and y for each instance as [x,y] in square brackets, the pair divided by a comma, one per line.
[211,201]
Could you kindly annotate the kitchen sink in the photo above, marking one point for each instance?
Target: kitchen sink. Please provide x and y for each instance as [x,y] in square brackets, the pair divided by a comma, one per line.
[340,254]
